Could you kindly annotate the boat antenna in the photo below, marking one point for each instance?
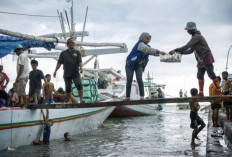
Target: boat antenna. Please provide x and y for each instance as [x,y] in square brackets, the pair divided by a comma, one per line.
[228,57]
[72,22]
[68,23]
[61,23]
[86,13]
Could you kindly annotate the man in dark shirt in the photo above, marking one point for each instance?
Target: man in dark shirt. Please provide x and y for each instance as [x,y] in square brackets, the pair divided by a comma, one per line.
[203,55]
[72,63]
[35,85]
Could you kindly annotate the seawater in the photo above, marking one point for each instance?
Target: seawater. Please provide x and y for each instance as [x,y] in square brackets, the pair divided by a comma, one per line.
[167,133]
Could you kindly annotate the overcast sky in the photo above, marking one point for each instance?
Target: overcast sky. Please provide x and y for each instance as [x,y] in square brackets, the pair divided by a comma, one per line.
[124,21]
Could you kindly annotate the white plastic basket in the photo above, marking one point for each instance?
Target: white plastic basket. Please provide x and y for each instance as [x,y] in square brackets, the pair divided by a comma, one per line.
[175,58]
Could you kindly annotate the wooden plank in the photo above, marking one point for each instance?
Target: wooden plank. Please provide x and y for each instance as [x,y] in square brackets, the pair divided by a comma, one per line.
[132,102]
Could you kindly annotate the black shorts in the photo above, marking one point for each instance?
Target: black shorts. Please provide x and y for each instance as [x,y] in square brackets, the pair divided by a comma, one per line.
[195,120]
[76,80]
[227,103]
[3,94]
[215,106]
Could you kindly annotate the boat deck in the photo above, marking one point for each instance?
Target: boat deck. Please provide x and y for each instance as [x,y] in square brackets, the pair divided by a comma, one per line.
[132,102]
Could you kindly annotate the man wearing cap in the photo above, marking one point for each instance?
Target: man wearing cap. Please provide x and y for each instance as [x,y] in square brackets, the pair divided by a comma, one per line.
[72,65]
[203,55]
[22,73]
[3,77]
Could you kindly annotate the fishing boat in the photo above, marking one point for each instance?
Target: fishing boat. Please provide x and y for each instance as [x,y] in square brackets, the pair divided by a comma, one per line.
[182,106]
[117,91]
[20,127]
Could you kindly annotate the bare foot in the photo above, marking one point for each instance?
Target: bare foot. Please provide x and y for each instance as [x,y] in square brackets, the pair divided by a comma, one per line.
[127,99]
[197,138]
[24,107]
[82,101]
[193,144]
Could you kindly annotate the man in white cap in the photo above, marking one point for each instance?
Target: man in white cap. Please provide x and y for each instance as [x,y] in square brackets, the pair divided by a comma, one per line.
[22,73]
[203,55]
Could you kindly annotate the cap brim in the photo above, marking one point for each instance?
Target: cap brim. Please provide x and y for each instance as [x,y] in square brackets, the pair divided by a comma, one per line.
[17,49]
[190,29]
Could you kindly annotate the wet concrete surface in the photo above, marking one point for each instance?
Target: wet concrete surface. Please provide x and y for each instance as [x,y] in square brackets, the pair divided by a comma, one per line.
[219,138]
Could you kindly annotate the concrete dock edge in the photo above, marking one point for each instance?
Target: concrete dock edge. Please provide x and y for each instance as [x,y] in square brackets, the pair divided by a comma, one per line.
[219,139]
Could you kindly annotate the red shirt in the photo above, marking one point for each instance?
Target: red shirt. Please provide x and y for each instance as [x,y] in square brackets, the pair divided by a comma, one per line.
[207,60]
[5,77]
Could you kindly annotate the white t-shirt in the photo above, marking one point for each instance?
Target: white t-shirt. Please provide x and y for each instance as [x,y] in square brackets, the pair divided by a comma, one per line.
[23,60]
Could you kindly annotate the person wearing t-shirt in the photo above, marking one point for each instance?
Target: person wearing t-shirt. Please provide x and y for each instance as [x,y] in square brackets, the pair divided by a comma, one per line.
[35,84]
[72,65]
[22,73]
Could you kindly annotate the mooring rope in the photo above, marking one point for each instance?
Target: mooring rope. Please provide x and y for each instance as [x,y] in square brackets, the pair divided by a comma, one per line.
[11,129]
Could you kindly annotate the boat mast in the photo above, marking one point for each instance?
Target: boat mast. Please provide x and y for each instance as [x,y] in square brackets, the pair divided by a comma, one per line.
[228,57]
[72,21]
[62,23]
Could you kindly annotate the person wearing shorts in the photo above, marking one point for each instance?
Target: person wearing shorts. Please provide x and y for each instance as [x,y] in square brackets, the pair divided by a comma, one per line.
[72,64]
[215,105]
[35,84]
[22,73]
[48,90]
[195,119]
[3,77]
[226,90]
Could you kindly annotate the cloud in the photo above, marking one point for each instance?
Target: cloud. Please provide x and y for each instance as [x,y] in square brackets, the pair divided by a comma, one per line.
[125,20]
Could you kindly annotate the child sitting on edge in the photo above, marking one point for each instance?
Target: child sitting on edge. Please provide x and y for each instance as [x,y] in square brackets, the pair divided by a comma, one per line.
[67,136]
[215,105]
[226,90]
[195,119]
[47,129]
[48,89]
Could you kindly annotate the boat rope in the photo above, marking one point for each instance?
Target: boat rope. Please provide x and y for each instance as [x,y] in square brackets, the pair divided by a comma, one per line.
[5,12]
[173,112]
[11,130]
[54,4]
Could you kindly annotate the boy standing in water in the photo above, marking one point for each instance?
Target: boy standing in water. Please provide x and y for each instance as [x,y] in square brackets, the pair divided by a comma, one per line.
[67,136]
[195,119]
[48,89]
[47,129]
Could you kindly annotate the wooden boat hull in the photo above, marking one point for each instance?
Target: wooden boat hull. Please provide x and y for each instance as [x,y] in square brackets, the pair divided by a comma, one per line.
[21,127]
[134,110]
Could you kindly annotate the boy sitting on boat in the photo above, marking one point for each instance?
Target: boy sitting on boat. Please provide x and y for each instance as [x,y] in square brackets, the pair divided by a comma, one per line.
[47,129]
[195,119]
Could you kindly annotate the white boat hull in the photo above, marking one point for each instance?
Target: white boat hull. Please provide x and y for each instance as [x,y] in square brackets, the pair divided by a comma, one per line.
[21,127]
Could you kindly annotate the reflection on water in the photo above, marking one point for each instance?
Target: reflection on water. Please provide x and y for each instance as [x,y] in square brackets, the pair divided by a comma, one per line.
[165,134]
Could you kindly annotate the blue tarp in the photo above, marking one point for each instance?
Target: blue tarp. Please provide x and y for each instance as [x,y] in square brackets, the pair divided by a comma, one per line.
[230,76]
[7,44]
